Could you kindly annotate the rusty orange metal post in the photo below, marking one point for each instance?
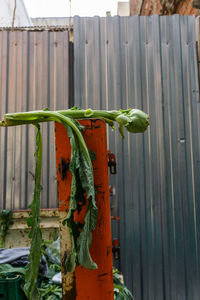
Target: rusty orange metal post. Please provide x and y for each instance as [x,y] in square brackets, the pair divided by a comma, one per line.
[83,283]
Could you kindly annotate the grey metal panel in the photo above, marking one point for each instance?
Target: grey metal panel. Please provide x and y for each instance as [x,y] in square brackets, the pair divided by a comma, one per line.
[149,63]
[33,75]
[59,21]
[174,147]
[192,185]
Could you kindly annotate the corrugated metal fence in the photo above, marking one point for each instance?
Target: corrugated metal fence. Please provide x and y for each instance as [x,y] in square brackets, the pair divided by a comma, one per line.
[33,75]
[144,62]
[149,63]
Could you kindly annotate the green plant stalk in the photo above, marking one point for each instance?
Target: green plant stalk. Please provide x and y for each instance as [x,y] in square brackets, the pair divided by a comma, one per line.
[41,116]
[31,274]
[134,120]
[44,116]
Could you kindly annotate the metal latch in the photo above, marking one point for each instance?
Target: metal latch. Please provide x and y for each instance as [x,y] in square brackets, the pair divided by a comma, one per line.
[115,218]
[116,249]
[112,163]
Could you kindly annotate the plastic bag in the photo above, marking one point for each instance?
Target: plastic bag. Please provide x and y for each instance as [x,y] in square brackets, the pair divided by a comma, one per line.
[53,252]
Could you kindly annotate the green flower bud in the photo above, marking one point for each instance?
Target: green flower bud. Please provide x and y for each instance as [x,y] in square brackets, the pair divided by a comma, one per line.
[123,119]
[139,121]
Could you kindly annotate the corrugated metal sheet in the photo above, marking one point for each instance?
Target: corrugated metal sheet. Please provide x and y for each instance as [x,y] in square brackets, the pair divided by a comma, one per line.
[60,22]
[149,63]
[36,28]
[33,75]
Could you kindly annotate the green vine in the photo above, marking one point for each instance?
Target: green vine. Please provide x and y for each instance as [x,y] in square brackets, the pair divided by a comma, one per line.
[5,222]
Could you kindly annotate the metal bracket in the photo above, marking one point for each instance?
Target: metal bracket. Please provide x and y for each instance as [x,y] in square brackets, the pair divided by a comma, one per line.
[112,163]
[116,249]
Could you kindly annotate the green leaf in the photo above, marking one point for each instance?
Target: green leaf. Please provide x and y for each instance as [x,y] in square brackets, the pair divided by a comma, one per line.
[82,182]
[85,239]
[32,268]
[123,120]
[86,176]
[6,269]
[70,262]
[5,222]
[121,131]
[88,113]
[92,155]
[74,108]
[84,257]
[110,122]
[50,291]
[120,290]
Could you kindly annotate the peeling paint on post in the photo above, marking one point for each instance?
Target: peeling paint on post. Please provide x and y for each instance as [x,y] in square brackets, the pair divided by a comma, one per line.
[83,283]
[68,282]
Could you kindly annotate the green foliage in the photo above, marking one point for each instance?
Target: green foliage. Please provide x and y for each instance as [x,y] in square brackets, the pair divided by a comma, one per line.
[50,291]
[5,222]
[82,179]
[7,270]
[134,120]
[120,290]
[82,183]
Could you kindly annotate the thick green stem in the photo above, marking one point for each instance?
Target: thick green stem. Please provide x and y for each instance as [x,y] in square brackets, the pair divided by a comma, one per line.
[14,119]
[36,117]
[134,120]
[35,234]
[79,114]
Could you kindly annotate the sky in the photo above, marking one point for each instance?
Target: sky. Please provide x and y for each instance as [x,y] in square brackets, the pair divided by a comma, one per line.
[61,8]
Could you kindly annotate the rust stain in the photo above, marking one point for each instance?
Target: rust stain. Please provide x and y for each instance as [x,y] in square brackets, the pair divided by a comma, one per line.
[69,285]
[68,279]
[102,275]
[162,7]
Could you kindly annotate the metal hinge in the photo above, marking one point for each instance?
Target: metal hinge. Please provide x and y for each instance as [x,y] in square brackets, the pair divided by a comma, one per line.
[116,249]
[112,163]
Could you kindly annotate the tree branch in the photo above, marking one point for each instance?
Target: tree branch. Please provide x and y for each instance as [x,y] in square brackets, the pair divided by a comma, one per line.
[14,11]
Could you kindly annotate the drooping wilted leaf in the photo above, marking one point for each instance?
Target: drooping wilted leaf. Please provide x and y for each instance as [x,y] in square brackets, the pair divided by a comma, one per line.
[35,234]
[84,257]
[82,182]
